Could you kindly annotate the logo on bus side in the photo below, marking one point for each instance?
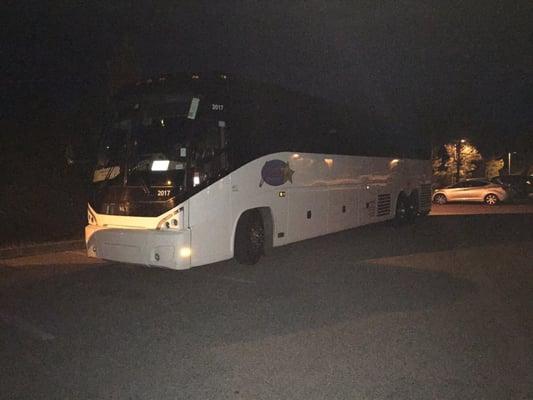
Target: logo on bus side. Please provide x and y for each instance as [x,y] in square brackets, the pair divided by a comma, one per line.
[276,173]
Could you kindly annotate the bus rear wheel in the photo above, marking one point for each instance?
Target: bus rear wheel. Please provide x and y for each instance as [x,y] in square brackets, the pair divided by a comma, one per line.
[249,238]
[414,207]
[406,210]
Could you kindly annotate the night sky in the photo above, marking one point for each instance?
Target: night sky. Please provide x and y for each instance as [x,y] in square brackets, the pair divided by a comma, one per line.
[445,68]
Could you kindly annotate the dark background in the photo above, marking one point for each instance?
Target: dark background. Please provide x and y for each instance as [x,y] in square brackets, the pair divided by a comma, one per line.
[442,69]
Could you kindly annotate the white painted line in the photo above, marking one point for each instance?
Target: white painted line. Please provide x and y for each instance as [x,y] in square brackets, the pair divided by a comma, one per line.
[229,278]
[21,324]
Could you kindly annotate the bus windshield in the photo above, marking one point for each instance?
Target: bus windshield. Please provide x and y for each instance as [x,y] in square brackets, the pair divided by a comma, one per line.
[141,134]
[155,149]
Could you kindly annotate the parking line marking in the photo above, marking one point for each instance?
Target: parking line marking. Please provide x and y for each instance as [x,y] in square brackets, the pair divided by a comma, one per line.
[24,326]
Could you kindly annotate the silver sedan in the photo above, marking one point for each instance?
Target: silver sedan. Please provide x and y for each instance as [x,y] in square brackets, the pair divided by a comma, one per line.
[477,190]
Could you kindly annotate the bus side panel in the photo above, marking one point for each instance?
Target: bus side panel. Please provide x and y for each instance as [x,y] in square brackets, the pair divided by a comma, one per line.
[325,194]
[308,213]
[342,209]
[210,222]
[366,204]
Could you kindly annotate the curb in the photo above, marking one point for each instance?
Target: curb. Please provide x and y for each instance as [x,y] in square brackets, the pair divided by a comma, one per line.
[41,248]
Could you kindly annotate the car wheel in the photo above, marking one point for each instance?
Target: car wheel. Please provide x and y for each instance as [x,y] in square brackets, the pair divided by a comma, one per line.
[440,199]
[249,238]
[491,199]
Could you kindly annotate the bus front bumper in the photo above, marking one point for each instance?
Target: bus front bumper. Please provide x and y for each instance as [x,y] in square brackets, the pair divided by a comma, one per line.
[158,248]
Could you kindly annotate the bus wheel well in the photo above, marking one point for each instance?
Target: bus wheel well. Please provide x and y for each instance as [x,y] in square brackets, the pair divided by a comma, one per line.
[268,225]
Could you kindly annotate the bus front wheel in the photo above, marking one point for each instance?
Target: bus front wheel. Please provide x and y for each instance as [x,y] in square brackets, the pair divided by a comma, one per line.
[249,238]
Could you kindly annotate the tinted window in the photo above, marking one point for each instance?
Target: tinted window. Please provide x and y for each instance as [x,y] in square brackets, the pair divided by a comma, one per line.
[477,183]
[458,185]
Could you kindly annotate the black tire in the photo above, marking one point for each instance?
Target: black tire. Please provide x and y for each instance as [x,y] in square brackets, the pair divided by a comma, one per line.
[439,198]
[413,207]
[402,211]
[249,238]
[491,199]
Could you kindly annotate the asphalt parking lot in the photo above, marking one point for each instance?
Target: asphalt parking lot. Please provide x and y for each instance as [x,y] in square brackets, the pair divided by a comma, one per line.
[442,309]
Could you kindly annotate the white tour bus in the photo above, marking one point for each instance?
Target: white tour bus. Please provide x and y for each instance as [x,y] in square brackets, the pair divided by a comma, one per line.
[193,170]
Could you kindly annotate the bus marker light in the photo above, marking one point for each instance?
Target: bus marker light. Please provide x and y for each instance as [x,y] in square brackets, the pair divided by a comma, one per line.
[282,193]
[185,252]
